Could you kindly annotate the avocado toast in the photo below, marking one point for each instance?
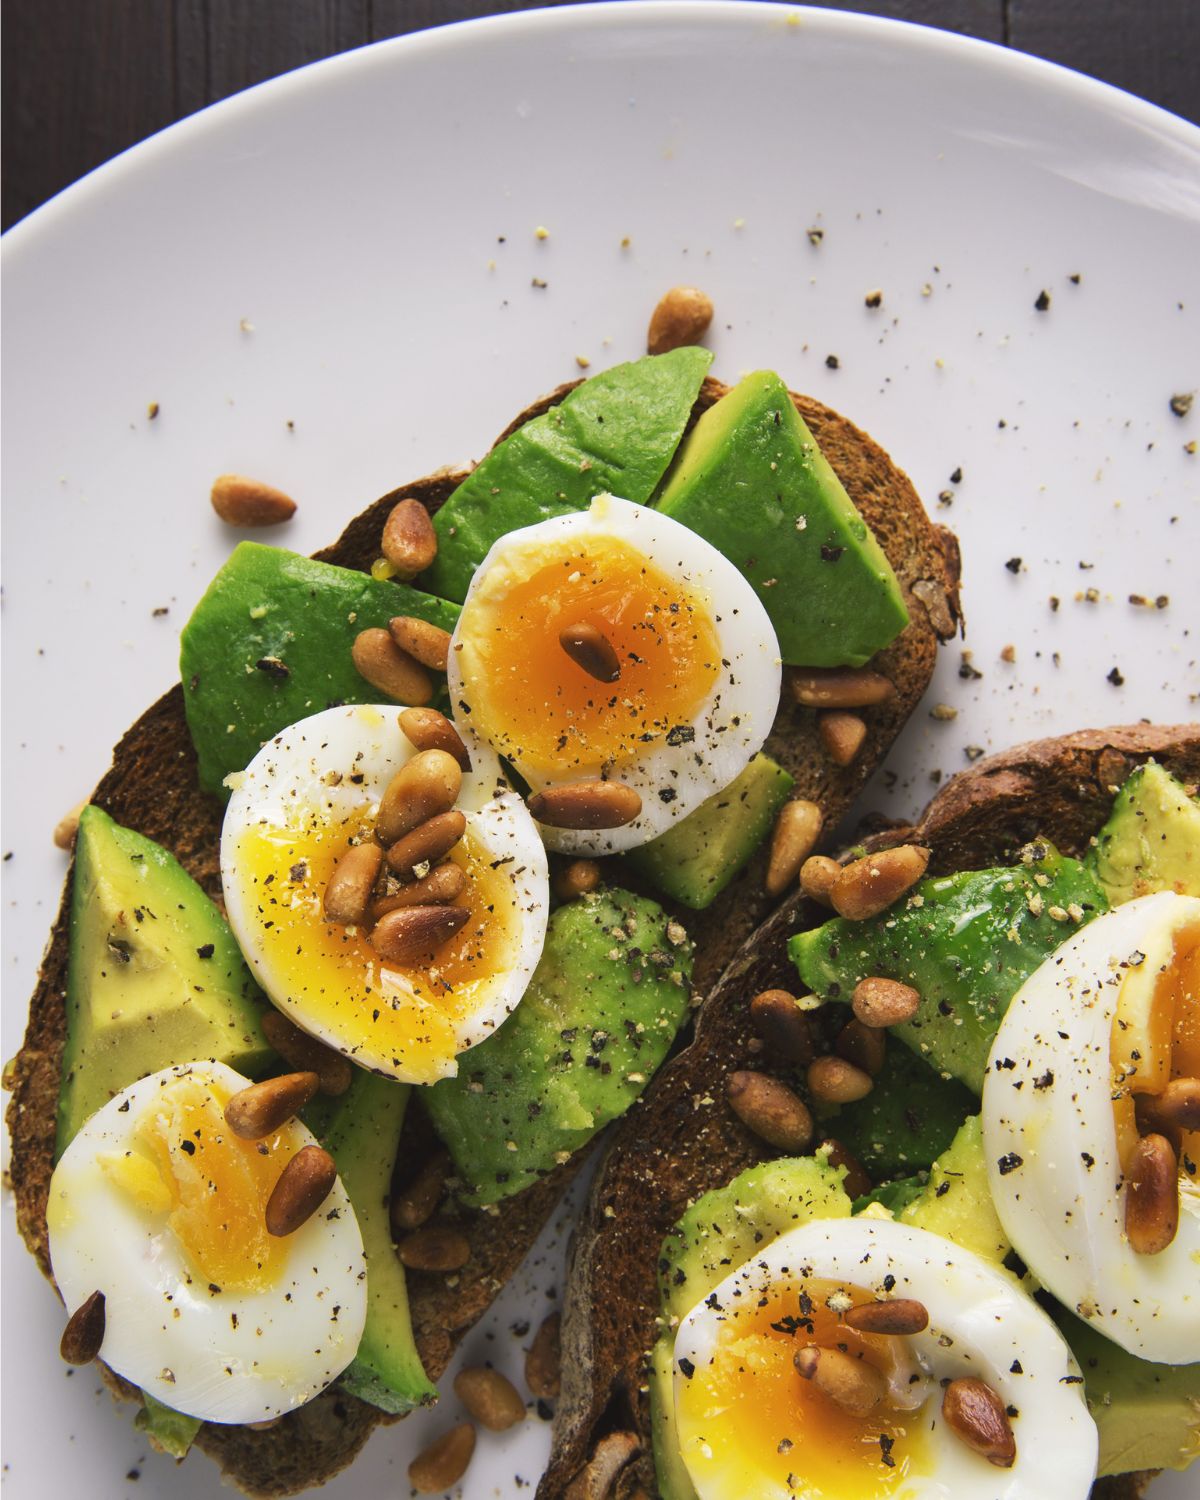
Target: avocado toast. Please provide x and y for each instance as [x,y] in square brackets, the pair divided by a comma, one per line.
[684,1140]
[154,788]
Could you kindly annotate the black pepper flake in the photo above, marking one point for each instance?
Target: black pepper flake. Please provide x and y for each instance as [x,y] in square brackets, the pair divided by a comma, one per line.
[273,667]
[205,950]
[941,1190]
[1009,1162]
[188,1146]
[1016,1368]
[160,611]
[832,362]
[667,794]
[1045,1081]
[956,477]
[298,873]
[885,1449]
[688,1368]
[681,734]
[545,1411]
[1181,403]
[1087,1159]
[539,283]
[1013,565]
[1116,677]
[831,554]
[1043,301]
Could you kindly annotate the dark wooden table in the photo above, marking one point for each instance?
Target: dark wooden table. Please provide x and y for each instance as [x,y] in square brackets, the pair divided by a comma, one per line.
[84,79]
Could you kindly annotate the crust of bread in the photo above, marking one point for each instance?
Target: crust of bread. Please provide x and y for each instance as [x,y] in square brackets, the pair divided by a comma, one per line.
[152,787]
[682,1139]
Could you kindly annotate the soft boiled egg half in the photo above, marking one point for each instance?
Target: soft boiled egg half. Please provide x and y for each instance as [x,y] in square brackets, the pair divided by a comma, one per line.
[160,1207]
[307,797]
[750,1425]
[1087,1047]
[692,682]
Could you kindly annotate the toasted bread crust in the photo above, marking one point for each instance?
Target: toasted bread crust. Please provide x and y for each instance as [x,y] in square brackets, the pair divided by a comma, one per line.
[682,1138]
[152,787]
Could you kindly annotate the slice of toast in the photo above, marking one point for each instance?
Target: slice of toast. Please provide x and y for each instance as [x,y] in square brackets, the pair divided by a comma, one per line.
[682,1139]
[152,787]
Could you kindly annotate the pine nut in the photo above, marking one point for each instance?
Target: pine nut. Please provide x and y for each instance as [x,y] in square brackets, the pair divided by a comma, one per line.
[378,658]
[586,805]
[67,827]
[1179,1103]
[409,541]
[680,319]
[425,786]
[444,1462]
[771,1110]
[428,844]
[576,879]
[900,1316]
[797,829]
[403,936]
[833,1080]
[817,875]
[544,1358]
[976,1415]
[849,1382]
[591,651]
[870,885]
[434,1247]
[839,687]
[857,1181]
[417,1202]
[442,885]
[84,1333]
[306,1054]
[348,893]
[249,502]
[427,729]
[884,1002]
[842,735]
[864,1046]
[424,642]
[303,1186]
[261,1108]
[782,1025]
[1152,1196]
[490,1397]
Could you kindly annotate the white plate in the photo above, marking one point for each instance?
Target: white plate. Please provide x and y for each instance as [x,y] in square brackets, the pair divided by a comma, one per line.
[373,218]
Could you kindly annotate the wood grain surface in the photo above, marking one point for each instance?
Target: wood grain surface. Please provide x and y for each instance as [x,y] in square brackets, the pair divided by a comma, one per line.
[85,79]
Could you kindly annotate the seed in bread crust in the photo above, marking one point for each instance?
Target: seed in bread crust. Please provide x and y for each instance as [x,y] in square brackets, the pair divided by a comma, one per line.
[869,885]
[797,829]
[416,1203]
[842,735]
[897,1317]
[490,1397]
[588,804]
[306,1054]
[864,1046]
[543,1359]
[817,874]
[422,788]
[348,893]
[833,1080]
[591,651]
[1152,1196]
[681,318]
[771,1110]
[402,936]
[857,1181]
[849,1382]
[434,1247]
[444,1461]
[782,1025]
[427,729]
[884,1002]
[388,669]
[84,1333]
[839,687]
[260,1109]
[409,541]
[576,879]
[303,1186]
[426,845]
[976,1415]
[429,644]
[249,502]
[443,884]
[67,827]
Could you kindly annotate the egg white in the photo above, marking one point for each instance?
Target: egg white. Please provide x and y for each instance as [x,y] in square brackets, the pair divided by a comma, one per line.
[980,1325]
[224,1356]
[730,725]
[1050,1137]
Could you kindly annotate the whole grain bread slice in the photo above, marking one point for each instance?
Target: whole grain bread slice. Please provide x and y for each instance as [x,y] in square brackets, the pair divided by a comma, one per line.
[682,1138]
[152,787]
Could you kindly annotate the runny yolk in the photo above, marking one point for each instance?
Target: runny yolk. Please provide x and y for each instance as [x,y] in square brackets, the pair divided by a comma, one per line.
[536,703]
[757,1428]
[338,984]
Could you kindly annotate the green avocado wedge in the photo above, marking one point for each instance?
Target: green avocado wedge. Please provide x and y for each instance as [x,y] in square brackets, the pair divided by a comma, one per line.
[168,1430]
[615,434]
[269,644]
[1151,841]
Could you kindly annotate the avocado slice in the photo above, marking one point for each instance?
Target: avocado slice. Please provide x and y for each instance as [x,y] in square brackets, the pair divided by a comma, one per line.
[750,479]
[269,644]
[966,942]
[154,975]
[955,1202]
[698,856]
[613,434]
[169,1431]
[363,1138]
[1151,841]
[601,1011]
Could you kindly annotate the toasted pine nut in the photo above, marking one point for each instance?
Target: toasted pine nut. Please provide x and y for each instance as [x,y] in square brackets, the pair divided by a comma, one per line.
[306,1054]
[261,1108]
[416,1203]
[1152,1196]
[444,1462]
[67,827]
[842,735]
[576,879]
[543,1359]
[426,845]
[84,1333]
[490,1397]
[976,1415]
[611,1456]
[864,1046]
[249,502]
[425,786]
[402,936]
[434,1247]
[348,893]
[857,1181]
[586,804]
[884,1002]
[817,875]
[429,730]
[771,1110]
[782,1025]
[681,318]
[902,1315]
[797,829]
[851,1383]
[591,651]
[387,668]
[833,1080]
[424,642]
[409,541]
[1179,1103]
[303,1186]
[839,687]
[870,885]
[443,884]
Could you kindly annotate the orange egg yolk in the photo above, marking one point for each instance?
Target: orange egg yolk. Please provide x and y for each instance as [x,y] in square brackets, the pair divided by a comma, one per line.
[536,704]
[753,1424]
[337,982]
